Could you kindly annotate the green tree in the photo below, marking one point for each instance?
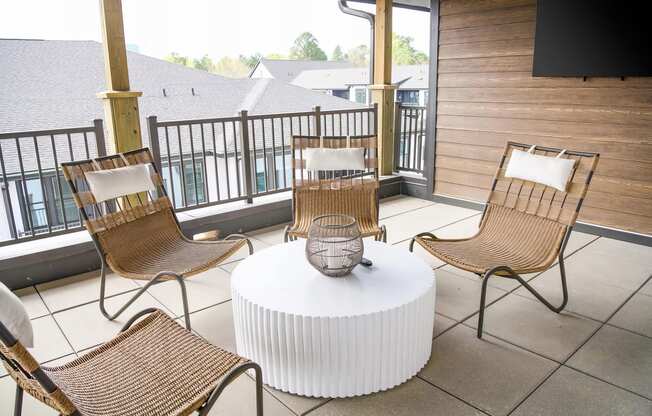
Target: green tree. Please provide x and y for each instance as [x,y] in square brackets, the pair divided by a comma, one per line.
[205,63]
[359,55]
[275,55]
[231,67]
[251,60]
[306,46]
[338,55]
[403,53]
[175,58]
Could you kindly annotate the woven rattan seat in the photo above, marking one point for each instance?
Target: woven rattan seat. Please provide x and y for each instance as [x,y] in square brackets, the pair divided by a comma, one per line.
[352,193]
[153,367]
[524,228]
[139,236]
[525,242]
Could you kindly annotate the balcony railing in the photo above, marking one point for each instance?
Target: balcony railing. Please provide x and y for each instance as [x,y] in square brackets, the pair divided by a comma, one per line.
[203,162]
[410,137]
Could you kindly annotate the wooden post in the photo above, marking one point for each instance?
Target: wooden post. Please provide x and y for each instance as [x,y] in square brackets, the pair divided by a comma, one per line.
[120,103]
[382,90]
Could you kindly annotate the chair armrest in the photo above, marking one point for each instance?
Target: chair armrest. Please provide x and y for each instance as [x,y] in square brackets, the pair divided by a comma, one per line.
[137,316]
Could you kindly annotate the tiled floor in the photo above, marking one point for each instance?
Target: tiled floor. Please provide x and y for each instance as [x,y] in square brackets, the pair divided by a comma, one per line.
[593,359]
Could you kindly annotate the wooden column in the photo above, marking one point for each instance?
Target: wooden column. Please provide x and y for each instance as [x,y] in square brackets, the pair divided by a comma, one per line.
[120,103]
[382,90]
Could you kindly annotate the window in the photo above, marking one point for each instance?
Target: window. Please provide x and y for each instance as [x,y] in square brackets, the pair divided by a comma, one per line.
[408,96]
[360,95]
[35,209]
[194,194]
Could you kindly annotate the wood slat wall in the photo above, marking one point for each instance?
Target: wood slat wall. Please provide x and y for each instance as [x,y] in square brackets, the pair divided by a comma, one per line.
[487,96]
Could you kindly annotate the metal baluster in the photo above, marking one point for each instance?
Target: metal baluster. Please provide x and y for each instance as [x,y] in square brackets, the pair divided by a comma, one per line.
[274,154]
[24,183]
[167,145]
[59,188]
[285,185]
[194,166]
[7,195]
[40,179]
[235,154]
[181,170]
[204,167]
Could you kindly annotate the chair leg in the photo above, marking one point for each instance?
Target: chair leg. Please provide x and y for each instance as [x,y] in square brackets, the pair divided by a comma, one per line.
[158,277]
[526,285]
[228,379]
[384,234]
[18,401]
[286,234]
[430,235]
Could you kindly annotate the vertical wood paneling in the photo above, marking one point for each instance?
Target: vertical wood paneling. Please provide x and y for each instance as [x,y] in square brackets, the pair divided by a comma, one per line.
[487,96]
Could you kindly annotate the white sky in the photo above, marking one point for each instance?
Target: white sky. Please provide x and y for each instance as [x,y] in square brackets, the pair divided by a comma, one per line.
[197,27]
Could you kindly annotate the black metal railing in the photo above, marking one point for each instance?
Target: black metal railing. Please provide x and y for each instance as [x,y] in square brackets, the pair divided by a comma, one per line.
[410,137]
[212,161]
[36,200]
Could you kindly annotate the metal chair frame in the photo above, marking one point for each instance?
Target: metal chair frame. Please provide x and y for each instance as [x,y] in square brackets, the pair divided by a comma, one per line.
[8,339]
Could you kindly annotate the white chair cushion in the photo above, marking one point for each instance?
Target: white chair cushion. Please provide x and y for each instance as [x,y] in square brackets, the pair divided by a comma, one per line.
[550,171]
[14,316]
[113,183]
[334,159]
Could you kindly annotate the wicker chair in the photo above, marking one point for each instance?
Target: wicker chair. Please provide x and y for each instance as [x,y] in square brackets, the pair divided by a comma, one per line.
[152,367]
[139,236]
[353,193]
[524,227]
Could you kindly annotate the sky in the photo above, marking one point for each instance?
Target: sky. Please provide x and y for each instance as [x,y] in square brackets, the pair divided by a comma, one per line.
[197,27]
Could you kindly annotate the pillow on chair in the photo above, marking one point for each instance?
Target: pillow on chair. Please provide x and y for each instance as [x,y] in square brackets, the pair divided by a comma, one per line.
[113,183]
[350,158]
[14,316]
[550,171]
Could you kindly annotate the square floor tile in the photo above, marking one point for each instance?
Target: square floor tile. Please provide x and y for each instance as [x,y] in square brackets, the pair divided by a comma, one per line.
[239,399]
[419,251]
[215,324]
[82,288]
[298,404]
[487,373]
[635,315]
[570,393]
[586,296]
[578,241]
[619,357]
[86,327]
[415,397]
[647,288]
[32,302]
[400,204]
[465,228]
[529,324]
[405,226]
[495,281]
[49,341]
[612,262]
[204,289]
[229,267]
[441,324]
[459,297]
[244,251]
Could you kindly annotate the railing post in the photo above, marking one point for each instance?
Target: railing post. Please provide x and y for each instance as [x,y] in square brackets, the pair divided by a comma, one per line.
[246,156]
[98,125]
[397,135]
[154,144]
[317,124]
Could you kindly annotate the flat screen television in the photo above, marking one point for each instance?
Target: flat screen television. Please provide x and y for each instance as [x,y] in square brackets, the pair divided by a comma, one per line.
[593,38]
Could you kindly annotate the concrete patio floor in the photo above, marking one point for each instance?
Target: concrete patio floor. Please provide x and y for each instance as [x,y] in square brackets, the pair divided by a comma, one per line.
[595,358]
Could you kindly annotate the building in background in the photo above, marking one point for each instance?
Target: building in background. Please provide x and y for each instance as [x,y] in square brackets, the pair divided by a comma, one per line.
[53,84]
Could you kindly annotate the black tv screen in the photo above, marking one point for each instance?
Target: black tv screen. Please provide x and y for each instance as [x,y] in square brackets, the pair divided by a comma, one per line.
[593,38]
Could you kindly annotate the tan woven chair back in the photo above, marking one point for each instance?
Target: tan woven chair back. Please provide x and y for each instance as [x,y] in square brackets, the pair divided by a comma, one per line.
[541,200]
[27,373]
[301,177]
[124,222]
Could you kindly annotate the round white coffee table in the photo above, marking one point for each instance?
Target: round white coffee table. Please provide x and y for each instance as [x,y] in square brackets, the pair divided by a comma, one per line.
[334,337]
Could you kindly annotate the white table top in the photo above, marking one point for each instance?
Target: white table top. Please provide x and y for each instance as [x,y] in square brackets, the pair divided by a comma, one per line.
[280,279]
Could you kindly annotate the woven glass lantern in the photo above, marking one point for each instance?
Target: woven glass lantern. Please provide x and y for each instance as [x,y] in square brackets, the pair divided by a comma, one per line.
[334,245]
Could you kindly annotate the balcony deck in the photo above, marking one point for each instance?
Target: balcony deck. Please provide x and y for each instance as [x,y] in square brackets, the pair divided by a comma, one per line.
[594,358]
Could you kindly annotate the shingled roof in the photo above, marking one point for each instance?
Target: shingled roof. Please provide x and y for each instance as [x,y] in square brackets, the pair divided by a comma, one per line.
[411,77]
[288,69]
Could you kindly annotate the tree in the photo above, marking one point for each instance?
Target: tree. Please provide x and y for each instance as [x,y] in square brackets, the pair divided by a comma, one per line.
[275,55]
[359,55]
[338,55]
[306,46]
[231,67]
[251,60]
[175,58]
[403,53]
[205,63]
